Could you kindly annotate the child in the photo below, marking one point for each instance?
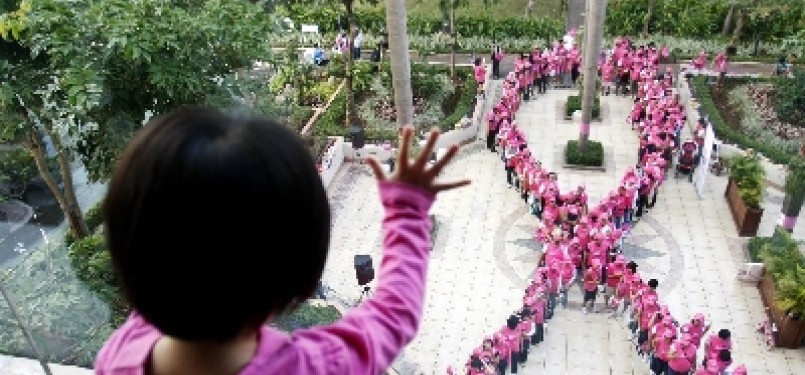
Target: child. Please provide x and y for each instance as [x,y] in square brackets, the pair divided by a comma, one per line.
[188,169]
[479,69]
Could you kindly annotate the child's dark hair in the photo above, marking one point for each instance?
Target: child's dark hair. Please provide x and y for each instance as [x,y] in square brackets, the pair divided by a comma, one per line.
[724,333]
[653,283]
[200,216]
[477,61]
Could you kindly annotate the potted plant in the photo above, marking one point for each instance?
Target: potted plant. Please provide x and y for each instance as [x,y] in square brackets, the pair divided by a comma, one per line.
[782,287]
[745,191]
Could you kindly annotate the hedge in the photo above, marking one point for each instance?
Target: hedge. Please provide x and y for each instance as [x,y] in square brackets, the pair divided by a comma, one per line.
[574,104]
[305,316]
[593,157]
[727,134]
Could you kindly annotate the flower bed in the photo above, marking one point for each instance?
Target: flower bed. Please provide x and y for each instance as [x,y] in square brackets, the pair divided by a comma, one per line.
[726,118]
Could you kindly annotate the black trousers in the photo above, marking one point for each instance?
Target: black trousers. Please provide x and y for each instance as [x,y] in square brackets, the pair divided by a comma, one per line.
[490,139]
[495,68]
[642,201]
[515,361]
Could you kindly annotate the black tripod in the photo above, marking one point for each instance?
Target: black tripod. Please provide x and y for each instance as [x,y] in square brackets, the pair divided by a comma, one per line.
[366,292]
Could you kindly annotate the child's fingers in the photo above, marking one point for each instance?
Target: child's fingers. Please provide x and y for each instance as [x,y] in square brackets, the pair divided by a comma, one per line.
[436,169]
[450,185]
[380,175]
[424,156]
[405,147]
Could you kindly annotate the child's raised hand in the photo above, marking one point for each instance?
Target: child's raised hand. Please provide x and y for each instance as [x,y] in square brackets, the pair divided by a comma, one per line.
[417,172]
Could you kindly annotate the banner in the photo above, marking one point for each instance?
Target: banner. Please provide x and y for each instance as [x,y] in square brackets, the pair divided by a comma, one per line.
[703,169]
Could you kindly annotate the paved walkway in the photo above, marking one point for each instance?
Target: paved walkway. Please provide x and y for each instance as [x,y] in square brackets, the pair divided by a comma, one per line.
[485,251]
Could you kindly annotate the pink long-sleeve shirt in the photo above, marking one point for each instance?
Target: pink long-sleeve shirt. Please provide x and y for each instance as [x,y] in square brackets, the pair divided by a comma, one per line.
[365,341]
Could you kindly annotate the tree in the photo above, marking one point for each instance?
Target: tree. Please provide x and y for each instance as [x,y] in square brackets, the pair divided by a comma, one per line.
[85,96]
[647,18]
[448,9]
[400,61]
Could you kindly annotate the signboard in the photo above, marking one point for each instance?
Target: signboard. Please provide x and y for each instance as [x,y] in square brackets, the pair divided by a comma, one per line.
[310,28]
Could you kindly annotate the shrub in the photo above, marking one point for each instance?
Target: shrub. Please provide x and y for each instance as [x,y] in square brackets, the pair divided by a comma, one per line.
[747,172]
[789,98]
[17,170]
[786,266]
[93,266]
[305,316]
[592,157]
[574,104]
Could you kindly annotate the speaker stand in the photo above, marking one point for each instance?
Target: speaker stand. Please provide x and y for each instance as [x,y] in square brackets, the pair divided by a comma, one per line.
[366,292]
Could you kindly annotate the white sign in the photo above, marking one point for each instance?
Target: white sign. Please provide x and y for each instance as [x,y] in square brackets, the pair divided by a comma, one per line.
[310,28]
[704,163]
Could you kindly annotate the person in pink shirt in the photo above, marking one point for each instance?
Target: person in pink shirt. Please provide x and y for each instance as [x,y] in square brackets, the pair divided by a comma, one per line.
[479,71]
[592,277]
[720,65]
[662,349]
[681,356]
[701,61]
[503,351]
[512,336]
[179,324]
[696,328]
[716,343]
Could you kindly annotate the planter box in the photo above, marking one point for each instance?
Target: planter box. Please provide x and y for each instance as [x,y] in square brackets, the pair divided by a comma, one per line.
[790,331]
[746,219]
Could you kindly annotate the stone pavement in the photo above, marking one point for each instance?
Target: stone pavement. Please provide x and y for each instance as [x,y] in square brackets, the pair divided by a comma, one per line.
[485,251]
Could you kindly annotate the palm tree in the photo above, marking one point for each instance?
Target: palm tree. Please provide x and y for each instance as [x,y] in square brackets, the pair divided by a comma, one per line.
[400,61]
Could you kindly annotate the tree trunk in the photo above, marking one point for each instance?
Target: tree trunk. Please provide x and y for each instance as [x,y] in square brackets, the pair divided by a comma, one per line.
[725,30]
[350,102]
[593,31]
[739,25]
[400,61]
[647,20]
[74,215]
[455,40]
[69,206]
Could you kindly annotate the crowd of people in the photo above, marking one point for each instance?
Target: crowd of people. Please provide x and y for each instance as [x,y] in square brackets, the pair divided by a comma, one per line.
[582,242]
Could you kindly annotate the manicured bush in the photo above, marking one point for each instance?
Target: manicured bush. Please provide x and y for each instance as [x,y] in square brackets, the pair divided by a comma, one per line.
[92,264]
[592,157]
[574,104]
[305,316]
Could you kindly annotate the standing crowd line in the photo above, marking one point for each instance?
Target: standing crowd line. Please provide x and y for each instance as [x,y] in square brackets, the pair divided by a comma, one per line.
[582,242]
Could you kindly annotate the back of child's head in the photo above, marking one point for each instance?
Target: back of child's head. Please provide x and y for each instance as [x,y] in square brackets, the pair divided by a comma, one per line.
[200,215]
[653,283]
[724,333]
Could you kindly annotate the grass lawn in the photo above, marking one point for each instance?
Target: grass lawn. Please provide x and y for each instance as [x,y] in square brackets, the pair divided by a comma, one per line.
[500,9]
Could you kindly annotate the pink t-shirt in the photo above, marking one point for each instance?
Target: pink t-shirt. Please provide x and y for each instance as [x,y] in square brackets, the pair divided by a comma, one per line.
[480,73]
[365,341]
[682,356]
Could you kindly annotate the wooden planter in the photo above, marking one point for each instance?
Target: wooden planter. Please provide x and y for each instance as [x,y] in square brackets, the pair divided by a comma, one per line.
[746,219]
[790,331]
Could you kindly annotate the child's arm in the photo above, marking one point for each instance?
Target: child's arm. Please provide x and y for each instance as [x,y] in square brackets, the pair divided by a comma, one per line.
[368,338]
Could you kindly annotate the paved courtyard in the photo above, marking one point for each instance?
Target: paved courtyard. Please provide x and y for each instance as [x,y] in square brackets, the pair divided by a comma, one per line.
[485,251]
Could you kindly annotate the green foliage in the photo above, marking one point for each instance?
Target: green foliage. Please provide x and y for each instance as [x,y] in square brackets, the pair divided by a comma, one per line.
[748,173]
[17,169]
[786,265]
[574,104]
[307,315]
[478,24]
[465,104]
[93,266]
[592,157]
[132,57]
[703,19]
[789,98]
[728,134]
